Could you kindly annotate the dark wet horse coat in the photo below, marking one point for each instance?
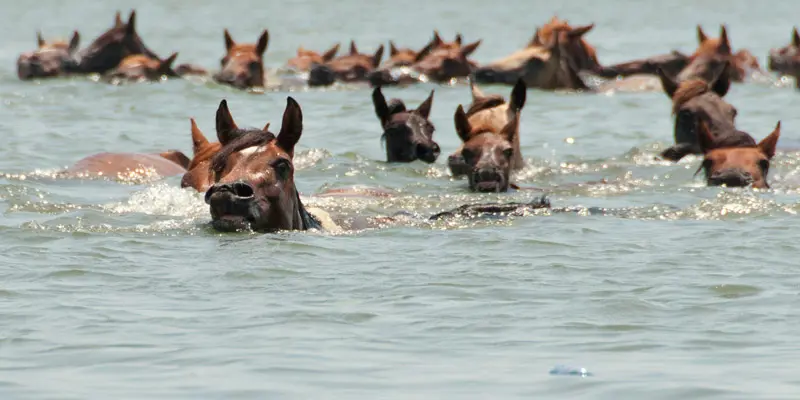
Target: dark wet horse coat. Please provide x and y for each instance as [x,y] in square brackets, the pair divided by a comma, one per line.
[108,50]
[695,101]
[407,134]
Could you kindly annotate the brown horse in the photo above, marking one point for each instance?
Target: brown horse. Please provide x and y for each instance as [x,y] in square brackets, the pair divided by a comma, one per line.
[786,60]
[737,166]
[352,67]
[50,59]
[143,68]
[494,111]
[305,59]
[407,134]
[448,62]
[110,48]
[549,67]
[405,57]
[243,64]
[584,55]
[253,177]
[694,102]
[672,64]
[128,166]
[713,52]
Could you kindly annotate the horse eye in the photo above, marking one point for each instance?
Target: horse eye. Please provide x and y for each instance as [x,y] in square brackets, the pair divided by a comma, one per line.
[508,152]
[763,164]
[282,169]
[223,61]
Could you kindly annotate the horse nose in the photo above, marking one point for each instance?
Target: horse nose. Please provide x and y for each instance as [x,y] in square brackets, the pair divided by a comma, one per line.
[487,174]
[428,153]
[236,191]
[730,178]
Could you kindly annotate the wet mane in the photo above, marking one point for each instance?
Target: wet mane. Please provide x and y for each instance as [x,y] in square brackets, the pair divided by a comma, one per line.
[687,91]
[485,103]
[244,139]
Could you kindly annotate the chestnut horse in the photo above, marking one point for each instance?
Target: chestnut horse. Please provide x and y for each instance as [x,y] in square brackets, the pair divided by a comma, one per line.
[305,59]
[548,67]
[405,57]
[110,48]
[786,60]
[127,166]
[737,166]
[352,67]
[252,177]
[584,55]
[407,134]
[713,52]
[143,68]
[50,59]
[494,111]
[694,102]
[447,62]
[243,64]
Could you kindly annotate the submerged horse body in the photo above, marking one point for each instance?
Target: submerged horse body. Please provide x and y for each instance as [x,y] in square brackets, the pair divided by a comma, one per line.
[128,166]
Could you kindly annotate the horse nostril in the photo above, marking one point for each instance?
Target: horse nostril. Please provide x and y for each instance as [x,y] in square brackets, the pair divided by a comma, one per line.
[242,189]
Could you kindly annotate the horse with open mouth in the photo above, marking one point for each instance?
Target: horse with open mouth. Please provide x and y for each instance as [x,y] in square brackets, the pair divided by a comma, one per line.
[737,165]
[407,134]
[50,59]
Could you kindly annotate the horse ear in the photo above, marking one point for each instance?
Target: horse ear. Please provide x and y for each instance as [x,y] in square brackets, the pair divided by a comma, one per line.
[795,38]
[669,85]
[199,140]
[579,31]
[424,109]
[225,124]
[511,128]
[724,43]
[376,59]
[476,92]
[462,124]
[459,39]
[470,48]
[130,27]
[381,108]
[437,39]
[701,36]
[705,137]
[291,126]
[392,49]
[263,42]
[769,143]
[165,67]
[722,81]
[39,39]
[331,53]
[177,157]
[535,40]
[425,51]
[74,42]
[518,95]
[118,20]
[353,48]
[229,43]
[266,127]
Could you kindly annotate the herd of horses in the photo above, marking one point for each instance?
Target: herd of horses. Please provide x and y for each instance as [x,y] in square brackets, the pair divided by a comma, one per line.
[247,175]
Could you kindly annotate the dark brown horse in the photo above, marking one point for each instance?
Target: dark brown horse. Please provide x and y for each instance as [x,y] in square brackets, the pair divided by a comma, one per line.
[305,59]
[50,59]
[694,102]
[712,52]
[491,111]
[110,48]
[351,67]
[549,67]
[737,166]
[786,60]
[243,64]
[407,134]
[143,68]
[446,63]
[128,166]
[253,176]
